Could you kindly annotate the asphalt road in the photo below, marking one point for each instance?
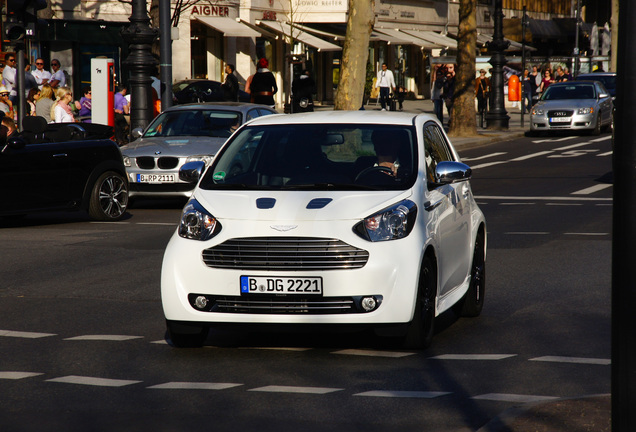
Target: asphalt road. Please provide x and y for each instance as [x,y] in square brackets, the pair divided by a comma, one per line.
[82,331]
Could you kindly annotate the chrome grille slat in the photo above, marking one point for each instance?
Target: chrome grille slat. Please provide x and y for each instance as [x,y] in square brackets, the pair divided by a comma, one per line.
[284,305]
[285,253]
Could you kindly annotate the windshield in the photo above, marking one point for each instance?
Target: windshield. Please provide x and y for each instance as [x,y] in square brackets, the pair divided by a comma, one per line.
[208,123]
[316,157]
[579,91]
[180,86]
[608,81]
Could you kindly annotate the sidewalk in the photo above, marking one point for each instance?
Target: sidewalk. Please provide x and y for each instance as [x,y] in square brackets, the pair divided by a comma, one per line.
[587,413]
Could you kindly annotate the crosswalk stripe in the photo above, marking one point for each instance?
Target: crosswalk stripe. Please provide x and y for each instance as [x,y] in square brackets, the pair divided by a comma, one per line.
[27,335]
[593,189]
[370,353]
[473,356]
[103,338]
[579,360]
[18,375]
[293,389]
[195,386]
[93,381]
[403,394]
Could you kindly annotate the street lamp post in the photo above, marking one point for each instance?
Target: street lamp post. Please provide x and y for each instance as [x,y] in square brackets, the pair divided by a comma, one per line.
[524,23]
[141,63]
[497,117]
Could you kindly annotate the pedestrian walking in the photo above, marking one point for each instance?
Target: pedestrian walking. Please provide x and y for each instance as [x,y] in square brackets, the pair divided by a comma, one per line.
[230,86]
[386,83]
[529,85]
[482,91]
[263,86]
[449,90]
[436,95]
[303,89]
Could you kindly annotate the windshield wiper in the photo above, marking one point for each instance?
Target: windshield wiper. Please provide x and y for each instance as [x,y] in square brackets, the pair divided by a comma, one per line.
[327,186]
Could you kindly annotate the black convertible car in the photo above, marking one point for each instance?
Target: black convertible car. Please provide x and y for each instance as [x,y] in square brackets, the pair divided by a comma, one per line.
[62,167]
[200,90]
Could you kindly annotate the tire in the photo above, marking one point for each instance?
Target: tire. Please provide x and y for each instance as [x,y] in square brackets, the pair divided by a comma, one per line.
[420,331]
[109,197]
[473,301]
[193,338]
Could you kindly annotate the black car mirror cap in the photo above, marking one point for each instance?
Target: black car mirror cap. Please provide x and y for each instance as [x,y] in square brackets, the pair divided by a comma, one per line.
[191,172]
[137,133]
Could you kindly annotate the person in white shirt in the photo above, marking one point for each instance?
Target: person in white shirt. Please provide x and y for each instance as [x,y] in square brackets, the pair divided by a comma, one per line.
[9,76]
[57,77]
[386,83]
[42,76]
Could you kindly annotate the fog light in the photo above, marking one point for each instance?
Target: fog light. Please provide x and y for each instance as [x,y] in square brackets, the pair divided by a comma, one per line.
[368,304]
[201,302]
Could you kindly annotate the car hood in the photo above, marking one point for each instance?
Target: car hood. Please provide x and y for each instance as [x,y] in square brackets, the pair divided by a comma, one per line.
[295,205]
[174,146]
[566,104]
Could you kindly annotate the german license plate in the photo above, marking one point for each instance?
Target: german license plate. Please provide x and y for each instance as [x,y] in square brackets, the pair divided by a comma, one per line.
[560,120]
[281,285]
[155,178]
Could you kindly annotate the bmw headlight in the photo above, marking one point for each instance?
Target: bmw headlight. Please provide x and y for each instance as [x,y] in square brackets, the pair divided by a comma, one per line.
[196,223]
[206,159]
[588,110]
[392,223]
[127,161]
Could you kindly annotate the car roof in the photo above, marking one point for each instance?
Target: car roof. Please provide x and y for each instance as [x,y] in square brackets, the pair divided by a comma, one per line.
[577,83]
[221,106]
[343,117]
[592,74]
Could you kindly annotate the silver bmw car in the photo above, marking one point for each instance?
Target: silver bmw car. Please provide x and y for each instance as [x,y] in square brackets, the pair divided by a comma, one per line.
[184,133]
[573,106]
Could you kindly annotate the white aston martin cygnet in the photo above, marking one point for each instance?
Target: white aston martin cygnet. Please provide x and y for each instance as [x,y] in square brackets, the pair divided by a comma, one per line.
[338,218]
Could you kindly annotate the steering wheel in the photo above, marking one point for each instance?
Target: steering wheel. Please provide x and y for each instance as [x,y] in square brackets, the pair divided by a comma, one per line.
[373,170]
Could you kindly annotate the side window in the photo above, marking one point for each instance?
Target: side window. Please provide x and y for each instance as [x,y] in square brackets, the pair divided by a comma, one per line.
[252,114]
[436,150]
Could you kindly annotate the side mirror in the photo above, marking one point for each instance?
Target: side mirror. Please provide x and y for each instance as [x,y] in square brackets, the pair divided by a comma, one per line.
[191,172]
[603,95]
[137,133]
[16,142]
[452,172]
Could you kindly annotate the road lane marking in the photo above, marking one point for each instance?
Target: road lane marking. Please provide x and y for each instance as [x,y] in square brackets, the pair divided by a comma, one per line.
[403,394]
[93,381]
[294,389]
[609,153]
[484,165]
[484,156]
[517,203]
[517,398]
[592,189]
[578,360]
[473,356]
[18,375]
[530,156]
[587,233]
[527,233]
[103,338]
[370,353]
[564,204]
[553,139]
[195,386]
[27,335]
[299,349]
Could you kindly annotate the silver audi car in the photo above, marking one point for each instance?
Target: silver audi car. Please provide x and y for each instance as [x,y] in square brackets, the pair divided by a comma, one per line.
[573,106]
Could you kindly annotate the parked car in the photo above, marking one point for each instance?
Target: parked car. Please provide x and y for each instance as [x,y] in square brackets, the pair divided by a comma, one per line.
[573,106]
[607,78]
[338,218]
[60,168]
[181,134]
[200,90]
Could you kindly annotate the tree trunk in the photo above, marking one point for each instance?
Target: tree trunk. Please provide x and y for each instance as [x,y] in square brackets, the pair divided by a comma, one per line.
[463,118]
[353,67]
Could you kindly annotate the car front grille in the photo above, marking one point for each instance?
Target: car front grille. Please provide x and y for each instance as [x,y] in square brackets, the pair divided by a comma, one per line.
[285,253]
[164,162]
[560,113]
[284,305]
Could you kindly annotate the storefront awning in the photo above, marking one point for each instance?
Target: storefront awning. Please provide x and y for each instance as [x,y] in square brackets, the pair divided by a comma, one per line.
[298,34]
[483,39]
[399,37]
[228,26]
[433,37]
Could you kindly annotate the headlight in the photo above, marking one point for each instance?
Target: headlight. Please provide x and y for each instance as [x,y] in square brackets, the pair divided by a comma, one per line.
[537,111]
[196,223]
[206,159]
[393,223]
[589,110]
[127,161]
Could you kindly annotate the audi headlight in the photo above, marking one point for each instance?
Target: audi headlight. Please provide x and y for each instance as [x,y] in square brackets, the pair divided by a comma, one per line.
[392,223]
[206,159]
[537,111]
[196,223]
[588,110]
[127,161]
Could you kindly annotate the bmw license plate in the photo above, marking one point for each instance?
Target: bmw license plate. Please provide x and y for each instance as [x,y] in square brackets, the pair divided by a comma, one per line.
[281,285]
[155,178]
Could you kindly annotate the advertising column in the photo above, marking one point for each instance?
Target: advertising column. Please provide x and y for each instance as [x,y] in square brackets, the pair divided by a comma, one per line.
[103,88]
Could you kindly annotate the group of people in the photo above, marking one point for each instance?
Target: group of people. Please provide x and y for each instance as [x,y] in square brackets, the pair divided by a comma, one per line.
[536,82]
[443,90]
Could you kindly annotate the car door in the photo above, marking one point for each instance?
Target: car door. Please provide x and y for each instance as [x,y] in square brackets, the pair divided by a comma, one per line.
[449,209]
[35,176]
[604,103]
